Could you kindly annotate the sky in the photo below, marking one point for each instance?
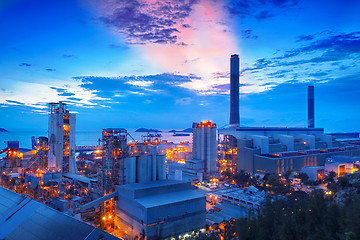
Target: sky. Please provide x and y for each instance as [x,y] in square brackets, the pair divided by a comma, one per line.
[165,63]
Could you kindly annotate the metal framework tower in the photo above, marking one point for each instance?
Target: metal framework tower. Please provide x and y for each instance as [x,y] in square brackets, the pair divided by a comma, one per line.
[114,150]
[62,123]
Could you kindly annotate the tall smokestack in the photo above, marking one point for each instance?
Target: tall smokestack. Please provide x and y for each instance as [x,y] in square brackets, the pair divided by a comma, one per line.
[234,90]
[311,117]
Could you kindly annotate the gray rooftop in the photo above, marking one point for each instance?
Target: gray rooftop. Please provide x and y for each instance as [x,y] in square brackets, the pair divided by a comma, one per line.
[157,193]
[168,198]
[24,218]
[152,184]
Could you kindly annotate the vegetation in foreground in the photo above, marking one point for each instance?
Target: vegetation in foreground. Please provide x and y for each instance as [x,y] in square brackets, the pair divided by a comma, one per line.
[318,215]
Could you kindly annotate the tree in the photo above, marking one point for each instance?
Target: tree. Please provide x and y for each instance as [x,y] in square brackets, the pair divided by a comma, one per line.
[343,182]
[241,178]
[330,177]
[304,177]
[287,175]
[226,174]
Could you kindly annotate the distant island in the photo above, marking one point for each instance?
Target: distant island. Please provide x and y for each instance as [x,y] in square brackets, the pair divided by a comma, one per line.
[147,130]
[187,130]
[3,130]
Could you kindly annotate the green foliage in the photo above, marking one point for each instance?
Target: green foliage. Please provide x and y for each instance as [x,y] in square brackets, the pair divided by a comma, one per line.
[226,174]
[305,216]
[242,178]
[330,177]
[275,185]
[287,175]
[304,177]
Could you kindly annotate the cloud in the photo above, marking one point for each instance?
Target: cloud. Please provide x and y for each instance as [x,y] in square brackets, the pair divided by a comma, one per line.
[68,56]
[14,102]
[248,34]
[183,101]
[118,46]
[66,94]
[322,57]
[146,21]
[260,9]
[22,93]
[25,65]
[182,36]
[305,38]
[130,85]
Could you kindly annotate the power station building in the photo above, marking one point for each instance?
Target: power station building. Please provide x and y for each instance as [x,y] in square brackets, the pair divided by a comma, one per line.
[204,145]
[124,163]
[276,149]
[160,210]
[61,156]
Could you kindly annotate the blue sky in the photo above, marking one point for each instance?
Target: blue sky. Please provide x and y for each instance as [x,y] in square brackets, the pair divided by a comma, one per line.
[165,64]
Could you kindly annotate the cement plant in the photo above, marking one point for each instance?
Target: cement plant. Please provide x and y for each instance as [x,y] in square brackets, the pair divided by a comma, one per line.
[157,189]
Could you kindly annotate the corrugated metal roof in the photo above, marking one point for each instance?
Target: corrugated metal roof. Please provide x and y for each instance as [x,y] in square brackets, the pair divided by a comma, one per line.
[23,218]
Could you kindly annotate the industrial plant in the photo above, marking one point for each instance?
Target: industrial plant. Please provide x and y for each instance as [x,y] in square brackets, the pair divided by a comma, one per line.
[153,188]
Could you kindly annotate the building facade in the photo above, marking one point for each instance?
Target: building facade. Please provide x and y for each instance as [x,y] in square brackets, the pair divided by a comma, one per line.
[160,210]
[205,144]
[62,123]
[277,150]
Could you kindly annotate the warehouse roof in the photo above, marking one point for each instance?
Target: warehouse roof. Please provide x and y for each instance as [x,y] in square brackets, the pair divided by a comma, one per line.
[24,218]
[168,198]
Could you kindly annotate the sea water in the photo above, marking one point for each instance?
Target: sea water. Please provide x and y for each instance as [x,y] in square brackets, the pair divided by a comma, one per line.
[83,137]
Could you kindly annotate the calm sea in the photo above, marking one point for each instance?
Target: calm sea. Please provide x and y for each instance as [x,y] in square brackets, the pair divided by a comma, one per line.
[83,138]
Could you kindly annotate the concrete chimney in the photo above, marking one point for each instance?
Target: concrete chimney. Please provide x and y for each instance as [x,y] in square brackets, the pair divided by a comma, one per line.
[234,90]
[311,117]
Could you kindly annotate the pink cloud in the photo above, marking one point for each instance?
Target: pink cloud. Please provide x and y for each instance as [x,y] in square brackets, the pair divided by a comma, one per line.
[184,37]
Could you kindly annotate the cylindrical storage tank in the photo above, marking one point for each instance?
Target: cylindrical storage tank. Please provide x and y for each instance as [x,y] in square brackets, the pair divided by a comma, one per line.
[208,149]
[213,147]
[153,163]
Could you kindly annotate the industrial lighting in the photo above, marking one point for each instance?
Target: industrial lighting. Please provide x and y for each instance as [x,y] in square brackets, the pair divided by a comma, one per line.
[104,218]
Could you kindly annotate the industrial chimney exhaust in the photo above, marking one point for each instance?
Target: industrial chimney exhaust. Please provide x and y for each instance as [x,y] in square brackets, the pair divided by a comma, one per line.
[234,90]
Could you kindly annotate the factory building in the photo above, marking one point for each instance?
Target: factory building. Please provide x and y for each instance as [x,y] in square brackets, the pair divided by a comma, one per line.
[13,158]
[24,218]
[261,150]
[342,165]
[205,145]
[315,173]
[124,163]
[61,155]
[160,210]
[277,150]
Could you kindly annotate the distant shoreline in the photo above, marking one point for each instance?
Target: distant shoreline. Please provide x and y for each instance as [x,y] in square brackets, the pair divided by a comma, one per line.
[147,130]
[3,130]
